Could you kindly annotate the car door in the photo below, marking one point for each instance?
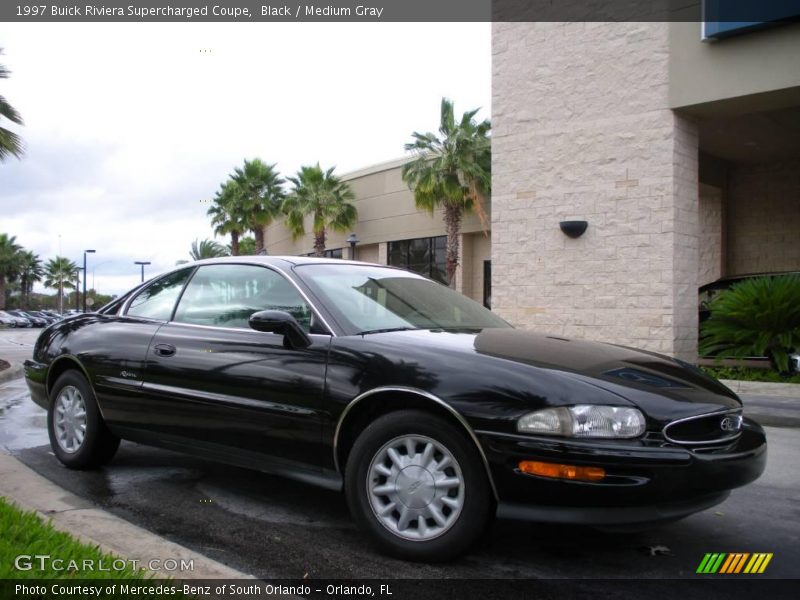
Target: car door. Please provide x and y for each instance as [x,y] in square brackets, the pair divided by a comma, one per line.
[232,392]
[119,345]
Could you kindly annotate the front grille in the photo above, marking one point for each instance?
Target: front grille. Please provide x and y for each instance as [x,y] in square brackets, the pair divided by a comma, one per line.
[714,429]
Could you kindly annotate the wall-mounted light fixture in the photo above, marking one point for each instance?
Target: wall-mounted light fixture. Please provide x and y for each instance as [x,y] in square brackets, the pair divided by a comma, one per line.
[573,229]
[352,239]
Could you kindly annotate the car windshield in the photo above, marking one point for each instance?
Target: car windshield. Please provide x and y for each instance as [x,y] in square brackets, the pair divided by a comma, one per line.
[371,299]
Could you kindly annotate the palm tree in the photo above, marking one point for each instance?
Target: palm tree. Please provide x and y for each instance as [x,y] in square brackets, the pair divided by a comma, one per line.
[247,246]
[30,271]
[226,215]
[10,142]
[452,170]
[9,263]
[260,194]
[59,274]
[325,197]
[207,249]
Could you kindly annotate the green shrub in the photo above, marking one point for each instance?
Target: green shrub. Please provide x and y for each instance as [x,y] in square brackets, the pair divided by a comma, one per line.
[756,317]
[745,374]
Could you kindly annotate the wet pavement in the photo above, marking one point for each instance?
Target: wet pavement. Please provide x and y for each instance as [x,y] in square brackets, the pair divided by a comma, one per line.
[275,528]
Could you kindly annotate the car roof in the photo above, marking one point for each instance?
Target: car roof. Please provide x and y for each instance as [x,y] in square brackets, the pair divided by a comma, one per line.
[277,260]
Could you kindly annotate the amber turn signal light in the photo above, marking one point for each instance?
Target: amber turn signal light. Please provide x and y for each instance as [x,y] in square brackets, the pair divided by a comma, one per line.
[558,471]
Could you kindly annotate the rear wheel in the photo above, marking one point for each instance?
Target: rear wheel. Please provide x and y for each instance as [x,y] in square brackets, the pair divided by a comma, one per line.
[415,484]
[78,435]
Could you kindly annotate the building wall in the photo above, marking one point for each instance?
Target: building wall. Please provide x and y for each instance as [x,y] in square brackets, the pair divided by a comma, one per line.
[753,71]
[764,218]
[710,234]
[387,212]
[586,133]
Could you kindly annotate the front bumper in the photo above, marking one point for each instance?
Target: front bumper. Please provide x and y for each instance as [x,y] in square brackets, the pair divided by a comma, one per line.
[643,483]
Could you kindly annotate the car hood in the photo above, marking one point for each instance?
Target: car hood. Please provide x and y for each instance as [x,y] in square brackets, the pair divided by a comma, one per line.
[663,387]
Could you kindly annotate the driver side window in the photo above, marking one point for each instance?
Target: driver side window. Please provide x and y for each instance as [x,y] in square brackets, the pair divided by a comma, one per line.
[226,296]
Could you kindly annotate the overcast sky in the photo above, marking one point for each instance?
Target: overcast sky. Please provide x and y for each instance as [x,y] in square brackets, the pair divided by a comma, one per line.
[129,128]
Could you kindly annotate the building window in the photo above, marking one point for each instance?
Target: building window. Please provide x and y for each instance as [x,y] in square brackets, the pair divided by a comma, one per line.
[335,253]
[426,256]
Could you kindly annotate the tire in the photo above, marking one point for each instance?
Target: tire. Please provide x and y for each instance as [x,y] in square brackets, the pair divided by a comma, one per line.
[425,514]
[73,407]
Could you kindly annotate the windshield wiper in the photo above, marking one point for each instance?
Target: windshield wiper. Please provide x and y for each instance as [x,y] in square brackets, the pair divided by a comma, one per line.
[386,330]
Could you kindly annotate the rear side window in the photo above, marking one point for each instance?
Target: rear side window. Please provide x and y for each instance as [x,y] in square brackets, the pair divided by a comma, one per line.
[226,296]
[158,299]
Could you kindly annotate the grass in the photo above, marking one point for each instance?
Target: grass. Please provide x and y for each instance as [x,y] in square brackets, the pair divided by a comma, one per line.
[25,533]
[745,374]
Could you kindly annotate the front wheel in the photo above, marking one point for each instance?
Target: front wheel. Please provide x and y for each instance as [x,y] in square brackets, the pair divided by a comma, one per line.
[78,435]
[415,484]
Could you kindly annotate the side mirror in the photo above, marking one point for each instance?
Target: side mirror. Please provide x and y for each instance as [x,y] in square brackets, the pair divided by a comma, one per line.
[282,323]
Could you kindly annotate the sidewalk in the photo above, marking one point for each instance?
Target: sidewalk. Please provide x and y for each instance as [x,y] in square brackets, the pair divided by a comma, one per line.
[96,527]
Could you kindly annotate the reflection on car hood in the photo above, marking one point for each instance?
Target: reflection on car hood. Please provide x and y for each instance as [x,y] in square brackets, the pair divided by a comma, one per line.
[612,367]
[644,378]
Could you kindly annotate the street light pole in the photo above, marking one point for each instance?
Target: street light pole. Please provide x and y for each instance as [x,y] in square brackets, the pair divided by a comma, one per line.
[77,288]
[142,263]
[85,252]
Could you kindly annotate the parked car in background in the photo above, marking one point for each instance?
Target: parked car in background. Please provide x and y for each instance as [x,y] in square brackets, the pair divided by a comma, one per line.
[427,410]
[19,321]
[7,321]
[43,315]
[35,321]
[53,314]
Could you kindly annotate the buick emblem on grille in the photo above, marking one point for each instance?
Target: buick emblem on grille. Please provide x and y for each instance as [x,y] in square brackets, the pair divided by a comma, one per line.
[733,423]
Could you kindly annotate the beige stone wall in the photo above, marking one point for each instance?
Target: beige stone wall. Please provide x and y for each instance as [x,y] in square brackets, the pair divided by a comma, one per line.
[582,130]
[710,234]
[764,218]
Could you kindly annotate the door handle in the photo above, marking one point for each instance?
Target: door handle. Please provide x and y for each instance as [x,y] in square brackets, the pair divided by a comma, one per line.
[164,349]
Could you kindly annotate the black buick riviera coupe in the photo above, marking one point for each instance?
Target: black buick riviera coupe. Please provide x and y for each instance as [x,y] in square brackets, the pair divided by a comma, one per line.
[429,411]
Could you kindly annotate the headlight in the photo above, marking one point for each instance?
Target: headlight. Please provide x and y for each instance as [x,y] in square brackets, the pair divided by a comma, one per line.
[584,420]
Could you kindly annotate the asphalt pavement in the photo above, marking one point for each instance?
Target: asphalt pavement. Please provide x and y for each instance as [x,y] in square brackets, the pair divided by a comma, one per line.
[276,528]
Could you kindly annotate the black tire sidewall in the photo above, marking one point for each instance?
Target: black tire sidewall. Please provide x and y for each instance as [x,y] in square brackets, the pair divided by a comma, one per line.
[86,455]
[474,515]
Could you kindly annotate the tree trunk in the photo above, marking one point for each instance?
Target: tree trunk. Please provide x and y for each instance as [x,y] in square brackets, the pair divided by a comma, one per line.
[2,292]
[319,242]
[234,243]
[452,221]
[259,233]
[61,297]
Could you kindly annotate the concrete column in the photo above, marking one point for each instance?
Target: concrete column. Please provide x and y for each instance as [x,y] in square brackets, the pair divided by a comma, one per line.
[582,131]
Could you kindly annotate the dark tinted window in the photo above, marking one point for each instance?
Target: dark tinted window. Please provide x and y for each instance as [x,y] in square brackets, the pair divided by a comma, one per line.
[426,256]
[226,296]
[368,298]
[157,300]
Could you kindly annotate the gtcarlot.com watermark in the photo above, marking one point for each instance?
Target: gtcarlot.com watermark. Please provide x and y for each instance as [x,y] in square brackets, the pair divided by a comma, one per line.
[46,562]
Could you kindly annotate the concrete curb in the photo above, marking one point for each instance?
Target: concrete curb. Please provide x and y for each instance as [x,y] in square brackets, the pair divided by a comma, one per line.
[762,388]
[94,526]
[14,371]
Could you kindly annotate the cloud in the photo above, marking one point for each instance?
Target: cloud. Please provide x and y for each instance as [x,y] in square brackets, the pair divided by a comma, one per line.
[129,127]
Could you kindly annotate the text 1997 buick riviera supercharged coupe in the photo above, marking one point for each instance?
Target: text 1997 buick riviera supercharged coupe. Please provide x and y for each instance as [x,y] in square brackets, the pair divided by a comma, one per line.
[428,410]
